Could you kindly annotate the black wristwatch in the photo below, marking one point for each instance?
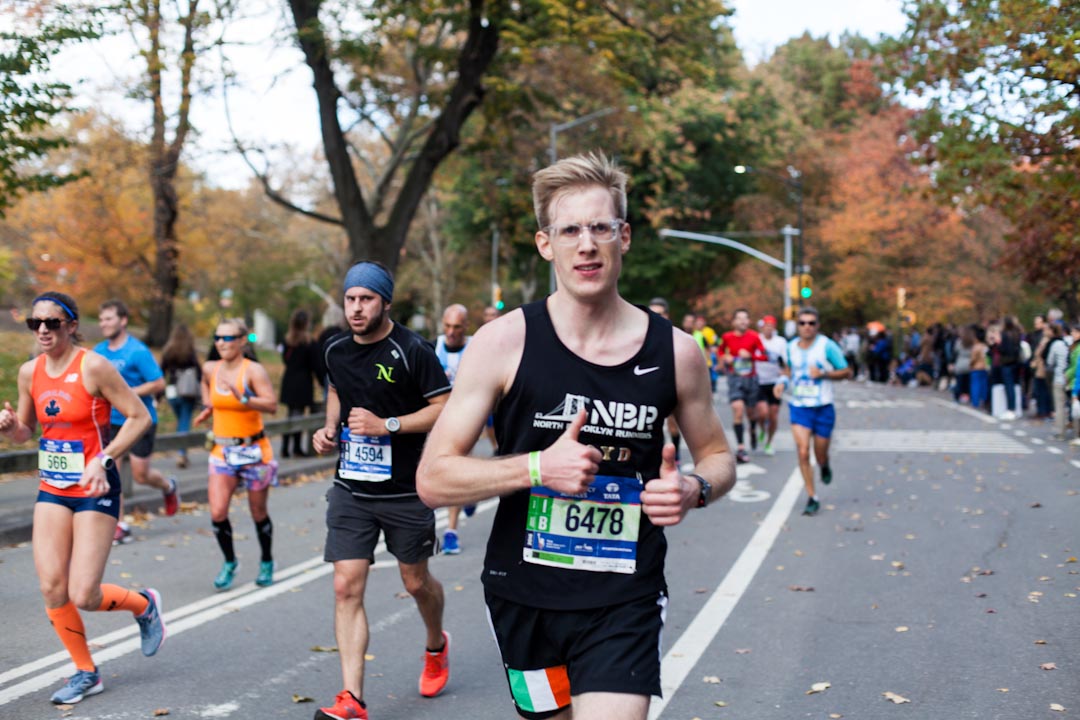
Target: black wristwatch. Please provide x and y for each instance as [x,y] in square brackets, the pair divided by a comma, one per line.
[705,492]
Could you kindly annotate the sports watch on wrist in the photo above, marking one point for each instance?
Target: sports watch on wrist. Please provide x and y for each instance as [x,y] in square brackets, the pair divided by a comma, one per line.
[705,491]
[107,462]
[392,425]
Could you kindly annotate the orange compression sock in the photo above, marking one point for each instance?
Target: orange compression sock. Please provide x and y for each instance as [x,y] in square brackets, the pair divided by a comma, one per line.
[114,597]
[68,625]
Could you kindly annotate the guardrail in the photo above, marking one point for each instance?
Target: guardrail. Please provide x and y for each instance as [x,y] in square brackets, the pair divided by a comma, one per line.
[27,460]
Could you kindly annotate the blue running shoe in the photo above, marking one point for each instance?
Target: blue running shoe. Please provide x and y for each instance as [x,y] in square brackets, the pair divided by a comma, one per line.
[266,573]
[470,510]
[450,543]
[79,685]
[151,625]
[812,507]
[826,474]
[224,579]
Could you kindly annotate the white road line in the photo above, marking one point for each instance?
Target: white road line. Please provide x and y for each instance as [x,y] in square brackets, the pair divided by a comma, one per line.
[1056,451]
[1075,463]
[122,642]
[1038,441]
[977,414]
[688,649]
[1019,433]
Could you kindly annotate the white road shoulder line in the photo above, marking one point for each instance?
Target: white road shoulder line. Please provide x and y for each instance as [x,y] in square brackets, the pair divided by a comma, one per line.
[688,649]
[977,414]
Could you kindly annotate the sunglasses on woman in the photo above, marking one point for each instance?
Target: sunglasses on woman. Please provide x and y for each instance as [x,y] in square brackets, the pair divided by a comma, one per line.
[49,323]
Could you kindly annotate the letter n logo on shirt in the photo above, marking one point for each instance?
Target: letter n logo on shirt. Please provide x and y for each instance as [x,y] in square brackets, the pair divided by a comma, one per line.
[384,372]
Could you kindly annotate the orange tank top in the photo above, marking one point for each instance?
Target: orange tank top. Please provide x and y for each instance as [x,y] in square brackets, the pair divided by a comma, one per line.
[74,426]
[234,419]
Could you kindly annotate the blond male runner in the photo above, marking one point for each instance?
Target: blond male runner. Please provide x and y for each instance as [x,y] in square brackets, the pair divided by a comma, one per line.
[580,383]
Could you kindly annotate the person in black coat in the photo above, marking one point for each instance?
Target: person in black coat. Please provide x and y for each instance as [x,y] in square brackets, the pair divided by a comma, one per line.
[297,393]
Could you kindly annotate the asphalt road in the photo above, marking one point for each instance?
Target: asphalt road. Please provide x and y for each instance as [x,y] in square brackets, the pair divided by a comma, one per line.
[941,573]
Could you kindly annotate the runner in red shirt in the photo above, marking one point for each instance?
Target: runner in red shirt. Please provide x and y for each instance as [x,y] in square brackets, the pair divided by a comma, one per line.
[739,349]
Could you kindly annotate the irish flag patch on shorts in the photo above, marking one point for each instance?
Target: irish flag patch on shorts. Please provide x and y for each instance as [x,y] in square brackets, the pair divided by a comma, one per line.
[540,690]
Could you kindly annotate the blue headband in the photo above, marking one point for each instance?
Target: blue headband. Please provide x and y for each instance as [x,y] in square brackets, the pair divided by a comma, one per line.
[371,276]
[71,315]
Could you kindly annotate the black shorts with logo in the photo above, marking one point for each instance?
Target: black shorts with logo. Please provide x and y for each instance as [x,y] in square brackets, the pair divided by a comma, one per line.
[353,525]
[550,655]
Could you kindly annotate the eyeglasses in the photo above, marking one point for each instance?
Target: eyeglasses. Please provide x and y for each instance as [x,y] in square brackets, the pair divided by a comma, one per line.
[602,231]
[49,323]
[225,338]
[808,322]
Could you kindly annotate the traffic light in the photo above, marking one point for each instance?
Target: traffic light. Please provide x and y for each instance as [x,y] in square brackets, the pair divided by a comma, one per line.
[793,287]
[496,297]
[790,312]
[806,288]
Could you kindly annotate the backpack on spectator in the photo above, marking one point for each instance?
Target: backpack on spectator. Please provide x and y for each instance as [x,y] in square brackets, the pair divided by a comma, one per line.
[187,382]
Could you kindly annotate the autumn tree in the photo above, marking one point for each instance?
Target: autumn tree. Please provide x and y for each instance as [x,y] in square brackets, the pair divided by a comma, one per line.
[29,100]
[1001,85]
[413,74]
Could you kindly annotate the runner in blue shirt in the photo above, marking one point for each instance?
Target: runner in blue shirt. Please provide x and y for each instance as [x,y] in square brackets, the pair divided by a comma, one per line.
[140,371]
[813,362]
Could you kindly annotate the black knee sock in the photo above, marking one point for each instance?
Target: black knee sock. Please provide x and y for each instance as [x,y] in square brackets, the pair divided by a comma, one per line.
[223,533]
[739,432]
[265,530]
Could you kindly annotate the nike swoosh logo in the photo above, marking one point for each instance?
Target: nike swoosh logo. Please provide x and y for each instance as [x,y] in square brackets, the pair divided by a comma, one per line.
[638,370]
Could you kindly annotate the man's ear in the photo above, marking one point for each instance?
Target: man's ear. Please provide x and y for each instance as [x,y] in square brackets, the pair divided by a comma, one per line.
[543,245]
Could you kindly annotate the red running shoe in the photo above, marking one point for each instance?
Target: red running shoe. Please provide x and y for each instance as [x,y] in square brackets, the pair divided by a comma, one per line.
[345,707]
[172,498]
[436,670]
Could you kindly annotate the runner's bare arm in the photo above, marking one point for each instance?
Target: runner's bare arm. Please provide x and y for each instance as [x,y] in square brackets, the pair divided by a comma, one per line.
[19,424]
[447,474]
[264,398]
[324,439]
[667,499]
[204,390]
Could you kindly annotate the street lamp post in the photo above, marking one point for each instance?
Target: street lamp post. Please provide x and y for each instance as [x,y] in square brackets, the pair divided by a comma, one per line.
[553,155]
[793,181]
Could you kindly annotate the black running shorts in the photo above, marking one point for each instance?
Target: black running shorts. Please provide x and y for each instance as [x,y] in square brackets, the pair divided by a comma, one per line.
[353,525]
[550,655]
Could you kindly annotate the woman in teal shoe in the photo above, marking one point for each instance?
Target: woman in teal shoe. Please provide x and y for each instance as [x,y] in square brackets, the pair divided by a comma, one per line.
[236,392]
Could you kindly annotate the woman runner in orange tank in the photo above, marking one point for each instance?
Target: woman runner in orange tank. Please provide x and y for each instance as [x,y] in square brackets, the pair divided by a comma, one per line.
[236,391]
[69,391]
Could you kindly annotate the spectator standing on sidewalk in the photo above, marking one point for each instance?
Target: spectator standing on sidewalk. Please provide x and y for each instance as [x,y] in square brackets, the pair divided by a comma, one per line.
[1041,382]
[973,338]
[298,351]
[183,375]
[1057,361]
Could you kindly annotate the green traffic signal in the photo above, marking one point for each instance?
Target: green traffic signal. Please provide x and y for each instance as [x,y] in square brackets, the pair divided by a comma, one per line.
[500,305]
[806,292]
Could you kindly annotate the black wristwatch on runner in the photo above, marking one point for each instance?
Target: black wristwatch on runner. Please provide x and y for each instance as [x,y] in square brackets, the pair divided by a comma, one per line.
[706,490]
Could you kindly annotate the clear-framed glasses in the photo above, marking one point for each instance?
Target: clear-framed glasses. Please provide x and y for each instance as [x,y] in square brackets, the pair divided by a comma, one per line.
[601,231]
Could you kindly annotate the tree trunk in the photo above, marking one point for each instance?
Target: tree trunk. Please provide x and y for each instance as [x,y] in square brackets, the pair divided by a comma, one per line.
[166,265]
[366,240]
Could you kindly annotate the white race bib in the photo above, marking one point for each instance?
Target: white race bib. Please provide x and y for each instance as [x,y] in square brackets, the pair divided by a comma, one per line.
[61,462]
[597,532]
[365,457]
[240,455]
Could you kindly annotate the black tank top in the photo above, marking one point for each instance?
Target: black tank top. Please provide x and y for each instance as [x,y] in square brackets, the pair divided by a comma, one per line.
[626,406]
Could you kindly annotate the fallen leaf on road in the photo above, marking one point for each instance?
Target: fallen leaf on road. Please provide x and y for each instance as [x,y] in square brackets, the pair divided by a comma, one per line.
[323,648]
[878,557]
[65,707]
[980,595]
[1071,560]
[1045,578]
[1003,689]
[800,588]
[1048,666]
[401,595]
[1057,708]
[897,564]
[1040,642]
[835,716]
[459,588]
[742,651]
[369,657]
[720,703]
[818,687]
[909,536]
[711,679]
[897,699]
[161,711]
[301,698]
[699,591]
[902,628]
[159,558]
[1035,505]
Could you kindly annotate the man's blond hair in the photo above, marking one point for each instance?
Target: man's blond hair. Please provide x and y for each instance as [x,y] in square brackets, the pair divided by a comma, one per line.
[576,172]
